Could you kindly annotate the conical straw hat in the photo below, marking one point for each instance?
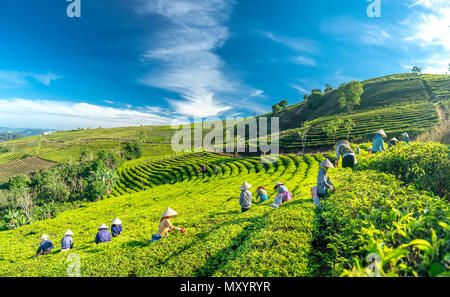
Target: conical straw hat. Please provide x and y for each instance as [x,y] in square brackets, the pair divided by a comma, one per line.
[116,221]
[404,134]
[103,226]
[68,232]
[169,212]
[245,186]
[327,164]
[381,132]
[394,139]
[278,184]
[44,236]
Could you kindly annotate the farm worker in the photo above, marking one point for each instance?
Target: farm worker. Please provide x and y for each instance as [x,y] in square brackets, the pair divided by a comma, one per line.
[45,247]
[116,228]
[378,142]
[103,234]
[216,170]
[245,199]
[405,137]
[393,142]
[283,195]
[165,225]
[67,241]
[261,193]
[348,155]
[324,183]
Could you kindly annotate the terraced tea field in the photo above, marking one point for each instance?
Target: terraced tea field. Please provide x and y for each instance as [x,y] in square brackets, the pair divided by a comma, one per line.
[414,118]
[218,235]
[220,240]
[23,166]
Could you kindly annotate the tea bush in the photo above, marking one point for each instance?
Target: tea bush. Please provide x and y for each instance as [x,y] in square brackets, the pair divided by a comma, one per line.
[426,165]
[372,213]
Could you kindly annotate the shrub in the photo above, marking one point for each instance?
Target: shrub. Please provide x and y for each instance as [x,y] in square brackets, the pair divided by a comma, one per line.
[426,165]
[373,214]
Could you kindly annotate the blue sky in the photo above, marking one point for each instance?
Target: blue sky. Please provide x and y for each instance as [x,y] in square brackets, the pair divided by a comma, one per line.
[133,62]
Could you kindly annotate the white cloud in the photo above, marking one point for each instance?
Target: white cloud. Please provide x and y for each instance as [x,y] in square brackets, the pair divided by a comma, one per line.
[429,23]
[185,52]
[427,29]
[20,79]
[45,79]
[67,115]
[299,88]
[256,93]
[297,44]
[348,28]
[301,60]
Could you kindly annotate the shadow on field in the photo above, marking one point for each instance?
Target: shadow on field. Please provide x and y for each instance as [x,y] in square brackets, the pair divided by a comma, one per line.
[226,254]
[214,262]
[137,243]
[317,258]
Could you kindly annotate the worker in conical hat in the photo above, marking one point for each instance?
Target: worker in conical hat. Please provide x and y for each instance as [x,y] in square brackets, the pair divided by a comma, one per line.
[283,195]
[103,234]
[405,137]
[245,198]
[165,225]
[45,246]
[344,150]
[67,241]
[392,142]
[378,142]
[116,228]
[261,194]
[324,184]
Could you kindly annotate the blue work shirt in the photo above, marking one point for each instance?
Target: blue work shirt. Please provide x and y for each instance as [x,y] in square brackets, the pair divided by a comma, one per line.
[67,242]
[116,230]
[45,246]
[378,144]
[102,236]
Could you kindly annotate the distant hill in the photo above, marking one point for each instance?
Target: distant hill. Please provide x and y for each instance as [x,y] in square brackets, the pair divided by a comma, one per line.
[395,103]
[7,134]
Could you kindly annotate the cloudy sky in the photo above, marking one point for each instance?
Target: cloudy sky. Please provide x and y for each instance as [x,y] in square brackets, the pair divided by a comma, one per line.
[133,62]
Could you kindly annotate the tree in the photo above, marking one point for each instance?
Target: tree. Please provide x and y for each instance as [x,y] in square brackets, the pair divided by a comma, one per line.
[349,125]
[303,134]
[11,216]
[95,190]
[349,94]
[315,100]
[328,88]
[106,176]
[132,150]
[276,108]
[305,98]
[417,70]
[283,104]
[332,128]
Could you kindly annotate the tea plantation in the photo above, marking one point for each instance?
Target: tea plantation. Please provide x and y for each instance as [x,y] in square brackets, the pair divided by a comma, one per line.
[370,212]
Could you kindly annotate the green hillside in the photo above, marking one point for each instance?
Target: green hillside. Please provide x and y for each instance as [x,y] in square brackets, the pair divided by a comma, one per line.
[396,103]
